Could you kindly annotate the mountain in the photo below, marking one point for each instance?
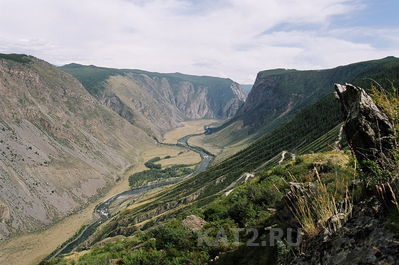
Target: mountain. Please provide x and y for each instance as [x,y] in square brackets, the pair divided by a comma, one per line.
[59,147]
[156,102]
[279,94]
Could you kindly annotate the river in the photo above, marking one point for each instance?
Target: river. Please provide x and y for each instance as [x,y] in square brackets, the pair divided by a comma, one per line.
[101,212]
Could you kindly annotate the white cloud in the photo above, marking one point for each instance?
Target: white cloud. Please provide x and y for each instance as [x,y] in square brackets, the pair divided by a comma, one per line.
[231,38]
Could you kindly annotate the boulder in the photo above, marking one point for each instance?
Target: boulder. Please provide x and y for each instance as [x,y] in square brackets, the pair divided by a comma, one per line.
[194,223]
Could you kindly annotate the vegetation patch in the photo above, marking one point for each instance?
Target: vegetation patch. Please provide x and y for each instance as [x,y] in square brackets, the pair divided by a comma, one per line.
[19,58]
[151,163]
[157,174]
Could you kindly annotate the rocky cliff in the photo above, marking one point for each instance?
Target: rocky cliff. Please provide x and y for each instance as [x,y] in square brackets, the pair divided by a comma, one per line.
[59,147]
[157,102]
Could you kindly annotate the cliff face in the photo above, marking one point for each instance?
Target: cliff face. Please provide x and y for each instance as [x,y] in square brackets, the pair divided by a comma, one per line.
[157,102]
[279,94]
[59,147]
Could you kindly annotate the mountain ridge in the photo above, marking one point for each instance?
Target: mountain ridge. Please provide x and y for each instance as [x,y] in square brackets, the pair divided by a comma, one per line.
[278,94]
[174,97]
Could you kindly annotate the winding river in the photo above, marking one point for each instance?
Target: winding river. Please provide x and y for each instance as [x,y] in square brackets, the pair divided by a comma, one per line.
[101,212]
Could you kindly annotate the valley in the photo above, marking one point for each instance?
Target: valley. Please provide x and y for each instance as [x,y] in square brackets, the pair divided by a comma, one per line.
[122,166]
[31,248]
[102,210]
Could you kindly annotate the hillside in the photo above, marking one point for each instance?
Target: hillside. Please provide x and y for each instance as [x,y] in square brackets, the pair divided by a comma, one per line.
[59,147]
[156,102]
[279,94]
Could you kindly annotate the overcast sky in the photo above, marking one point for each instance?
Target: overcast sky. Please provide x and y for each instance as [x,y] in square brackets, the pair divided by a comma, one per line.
[227,38]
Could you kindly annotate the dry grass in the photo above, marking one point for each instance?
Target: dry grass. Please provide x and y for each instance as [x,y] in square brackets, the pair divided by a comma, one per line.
[316,209]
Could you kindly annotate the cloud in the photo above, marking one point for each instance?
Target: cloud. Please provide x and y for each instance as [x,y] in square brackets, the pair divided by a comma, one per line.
[230,38]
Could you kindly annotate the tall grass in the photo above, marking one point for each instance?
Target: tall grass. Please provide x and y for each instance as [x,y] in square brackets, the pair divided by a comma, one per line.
[388,101]
[316,209]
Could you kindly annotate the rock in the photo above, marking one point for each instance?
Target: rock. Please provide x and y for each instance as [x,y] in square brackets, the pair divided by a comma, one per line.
[4,212]
[194,223]
[116,261]
[369,131]
[158,102]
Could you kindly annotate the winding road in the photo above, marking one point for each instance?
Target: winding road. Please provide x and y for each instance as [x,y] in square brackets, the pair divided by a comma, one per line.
[102,213]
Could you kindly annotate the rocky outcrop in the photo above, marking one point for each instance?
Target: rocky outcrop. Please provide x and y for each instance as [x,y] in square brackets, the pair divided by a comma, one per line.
[369,131]
[4,212]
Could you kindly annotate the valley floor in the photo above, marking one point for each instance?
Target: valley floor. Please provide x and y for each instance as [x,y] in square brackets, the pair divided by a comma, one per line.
[31,248]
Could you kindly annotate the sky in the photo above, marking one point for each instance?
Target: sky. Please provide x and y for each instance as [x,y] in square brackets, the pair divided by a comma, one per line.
[226,38]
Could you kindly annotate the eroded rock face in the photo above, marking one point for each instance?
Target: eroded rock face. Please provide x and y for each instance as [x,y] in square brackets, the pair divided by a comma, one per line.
[369,132]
